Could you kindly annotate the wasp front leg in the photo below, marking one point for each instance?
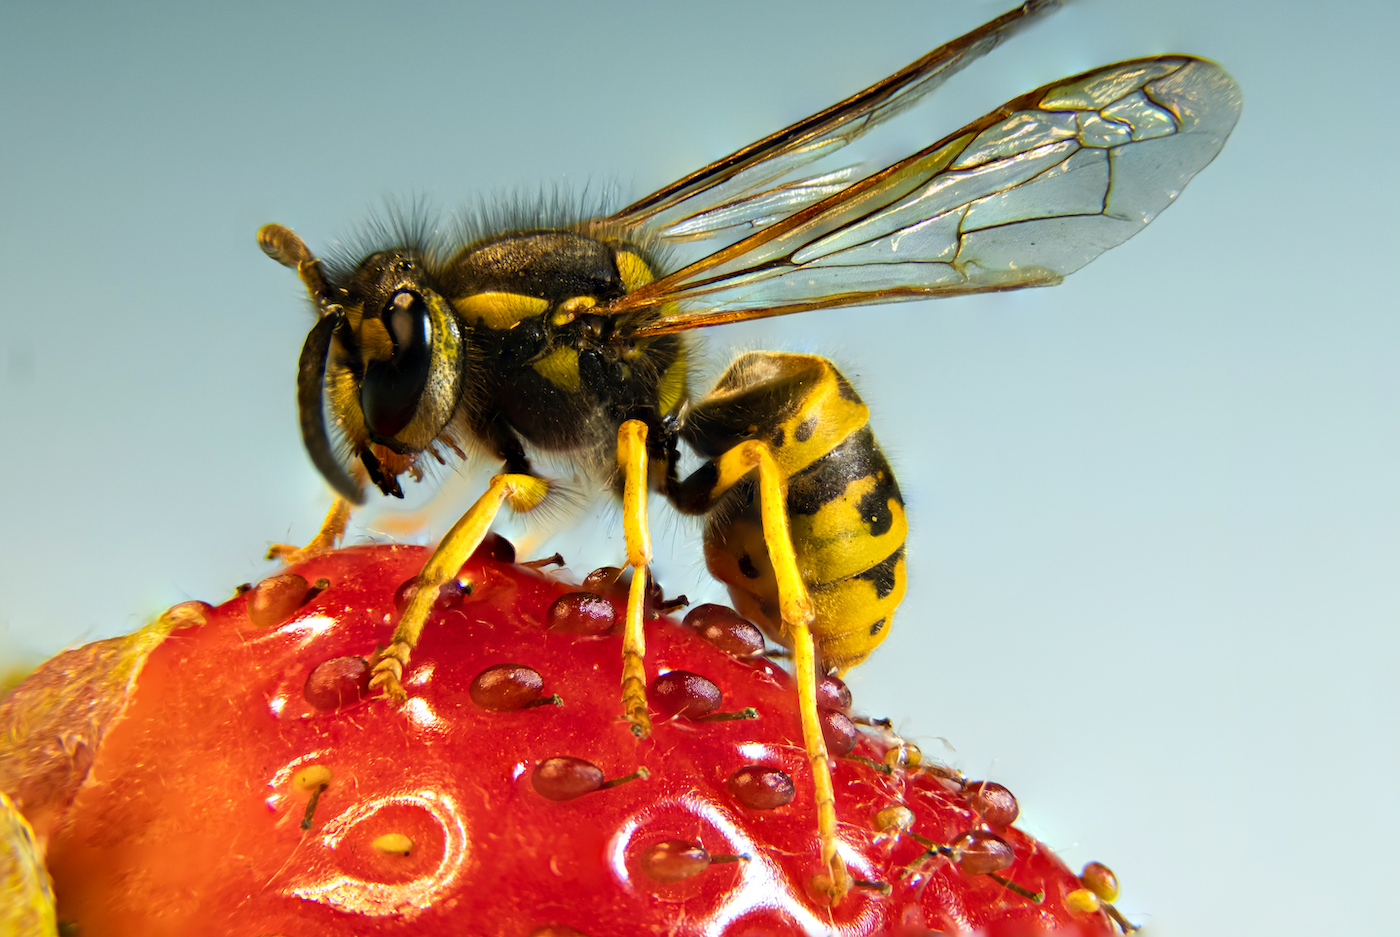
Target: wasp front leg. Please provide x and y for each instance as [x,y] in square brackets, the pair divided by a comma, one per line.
[522,493]
[331,533]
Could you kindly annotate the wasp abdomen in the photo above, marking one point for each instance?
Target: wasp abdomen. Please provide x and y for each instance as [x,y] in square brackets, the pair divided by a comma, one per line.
[845,513]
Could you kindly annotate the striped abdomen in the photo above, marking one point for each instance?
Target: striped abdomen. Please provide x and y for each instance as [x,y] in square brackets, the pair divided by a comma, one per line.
[843,503]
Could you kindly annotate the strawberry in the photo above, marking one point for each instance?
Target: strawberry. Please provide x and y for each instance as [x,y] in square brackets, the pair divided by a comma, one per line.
[226,771]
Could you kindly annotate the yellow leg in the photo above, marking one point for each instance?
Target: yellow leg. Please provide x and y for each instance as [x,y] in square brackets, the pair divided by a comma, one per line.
[795,605]
[522,493]
[632,460]
[804,657]
[332,530]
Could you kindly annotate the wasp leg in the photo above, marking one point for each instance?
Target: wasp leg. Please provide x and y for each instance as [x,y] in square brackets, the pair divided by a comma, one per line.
[632,461]
[523,493]
[795,605]
[331,533]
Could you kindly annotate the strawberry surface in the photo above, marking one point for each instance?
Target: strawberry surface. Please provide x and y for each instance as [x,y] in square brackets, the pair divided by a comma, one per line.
[251,787]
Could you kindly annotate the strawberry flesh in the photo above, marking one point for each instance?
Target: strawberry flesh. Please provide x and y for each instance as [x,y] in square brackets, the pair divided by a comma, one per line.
[442,815]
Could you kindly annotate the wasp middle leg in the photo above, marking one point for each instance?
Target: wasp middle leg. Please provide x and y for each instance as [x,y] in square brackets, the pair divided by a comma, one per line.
[633,463]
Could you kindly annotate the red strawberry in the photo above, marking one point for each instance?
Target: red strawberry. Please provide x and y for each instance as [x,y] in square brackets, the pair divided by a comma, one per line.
[249,788]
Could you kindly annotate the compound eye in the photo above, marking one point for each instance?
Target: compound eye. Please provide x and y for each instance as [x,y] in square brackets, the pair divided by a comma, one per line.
[391,389]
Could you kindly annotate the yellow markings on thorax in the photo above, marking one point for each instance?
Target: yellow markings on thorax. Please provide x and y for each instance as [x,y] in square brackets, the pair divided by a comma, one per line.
[634,271]
[670,390]
[560,368]
[498,310]
[571,309]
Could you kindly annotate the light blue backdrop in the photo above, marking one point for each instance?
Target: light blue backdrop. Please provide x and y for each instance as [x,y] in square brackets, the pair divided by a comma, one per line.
[1154,511]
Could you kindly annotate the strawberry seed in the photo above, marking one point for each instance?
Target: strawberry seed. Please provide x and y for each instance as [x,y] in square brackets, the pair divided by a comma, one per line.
[672,860]
[761,788]
[334,683]
[725,629]
[978,852]
[838,732]
[992,802]
[581,613]
[682,693]
[832,693]
[273,600]
[506,687]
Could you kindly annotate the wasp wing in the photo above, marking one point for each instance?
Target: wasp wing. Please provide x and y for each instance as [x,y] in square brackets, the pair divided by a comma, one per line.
[755,210]
[1021,197]
[728,193]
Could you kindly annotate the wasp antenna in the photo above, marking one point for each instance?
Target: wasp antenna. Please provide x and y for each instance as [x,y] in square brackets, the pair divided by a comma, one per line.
[282,244]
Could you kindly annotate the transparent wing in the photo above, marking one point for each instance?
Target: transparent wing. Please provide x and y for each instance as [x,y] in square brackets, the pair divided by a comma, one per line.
[760,208]
[730,192]
[1022,197]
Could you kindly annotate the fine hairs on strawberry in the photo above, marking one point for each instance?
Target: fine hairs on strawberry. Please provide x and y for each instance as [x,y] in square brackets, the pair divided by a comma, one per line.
[253,787]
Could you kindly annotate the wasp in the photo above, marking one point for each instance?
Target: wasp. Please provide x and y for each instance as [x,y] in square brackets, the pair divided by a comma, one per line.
[570,338]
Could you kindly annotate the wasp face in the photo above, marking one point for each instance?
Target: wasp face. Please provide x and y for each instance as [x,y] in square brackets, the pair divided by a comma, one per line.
[392,385]
[387,350]
[394,365]
[393,335]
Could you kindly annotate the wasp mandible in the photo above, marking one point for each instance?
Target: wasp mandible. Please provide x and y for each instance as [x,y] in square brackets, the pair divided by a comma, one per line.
[567,336]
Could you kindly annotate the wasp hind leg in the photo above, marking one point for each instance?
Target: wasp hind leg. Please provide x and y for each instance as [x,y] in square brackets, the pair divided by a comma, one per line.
[522,493]
[797,612]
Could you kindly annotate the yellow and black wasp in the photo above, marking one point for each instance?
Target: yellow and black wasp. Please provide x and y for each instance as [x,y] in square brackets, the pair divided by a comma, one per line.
[568,338]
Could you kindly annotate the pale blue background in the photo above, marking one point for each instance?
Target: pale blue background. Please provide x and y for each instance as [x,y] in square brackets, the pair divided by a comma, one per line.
[1154,511]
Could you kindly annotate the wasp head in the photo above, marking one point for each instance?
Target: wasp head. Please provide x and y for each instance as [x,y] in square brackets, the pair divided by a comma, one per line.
[384,359]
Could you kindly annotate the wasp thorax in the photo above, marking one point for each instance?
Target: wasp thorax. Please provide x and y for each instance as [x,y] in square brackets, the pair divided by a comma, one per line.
[397,347]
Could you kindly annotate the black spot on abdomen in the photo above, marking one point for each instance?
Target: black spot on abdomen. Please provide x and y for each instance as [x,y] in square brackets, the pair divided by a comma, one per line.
[881,575]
